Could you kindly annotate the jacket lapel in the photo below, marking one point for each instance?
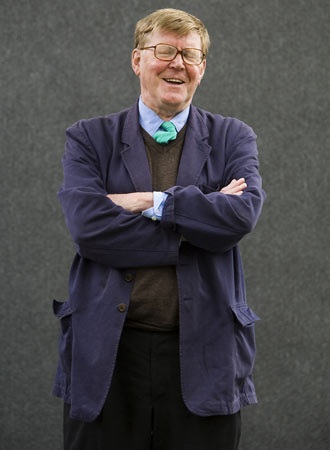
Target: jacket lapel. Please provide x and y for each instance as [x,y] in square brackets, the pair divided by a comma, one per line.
[195,150]
[134,153]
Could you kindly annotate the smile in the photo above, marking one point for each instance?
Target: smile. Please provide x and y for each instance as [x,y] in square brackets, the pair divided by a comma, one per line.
[173,80]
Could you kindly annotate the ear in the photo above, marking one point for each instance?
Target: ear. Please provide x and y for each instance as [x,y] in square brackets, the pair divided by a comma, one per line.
[202,70]
[136,60]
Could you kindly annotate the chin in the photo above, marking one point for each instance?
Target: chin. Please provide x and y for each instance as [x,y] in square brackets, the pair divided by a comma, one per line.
[175,101]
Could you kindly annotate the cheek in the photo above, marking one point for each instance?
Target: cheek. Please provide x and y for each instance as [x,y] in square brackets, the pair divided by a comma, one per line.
[154,67]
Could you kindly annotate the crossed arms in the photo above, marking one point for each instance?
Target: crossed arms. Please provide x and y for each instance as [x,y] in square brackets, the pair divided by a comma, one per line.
[109,229]
[136,202]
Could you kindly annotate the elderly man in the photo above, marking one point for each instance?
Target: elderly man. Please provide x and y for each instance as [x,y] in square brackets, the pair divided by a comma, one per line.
[157,340]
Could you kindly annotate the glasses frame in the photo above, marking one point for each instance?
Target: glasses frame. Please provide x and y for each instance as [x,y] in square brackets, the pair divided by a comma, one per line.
[177,51]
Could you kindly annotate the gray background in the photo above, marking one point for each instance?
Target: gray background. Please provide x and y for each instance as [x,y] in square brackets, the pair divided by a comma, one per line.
[269,66]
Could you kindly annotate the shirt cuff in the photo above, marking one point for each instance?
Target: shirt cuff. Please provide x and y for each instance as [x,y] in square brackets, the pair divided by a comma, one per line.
[155,212]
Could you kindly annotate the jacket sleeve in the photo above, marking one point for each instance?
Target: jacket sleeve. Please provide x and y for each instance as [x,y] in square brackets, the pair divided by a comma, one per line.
[101,230]
[216,222]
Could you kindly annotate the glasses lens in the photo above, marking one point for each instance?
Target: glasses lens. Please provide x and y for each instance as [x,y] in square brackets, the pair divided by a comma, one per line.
[165,52]
[192,56]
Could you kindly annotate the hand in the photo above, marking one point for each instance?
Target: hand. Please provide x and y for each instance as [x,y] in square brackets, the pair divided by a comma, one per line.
[134,202]
[235,187]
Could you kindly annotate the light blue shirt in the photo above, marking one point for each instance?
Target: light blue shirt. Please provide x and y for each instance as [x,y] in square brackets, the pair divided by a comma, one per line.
[151,122]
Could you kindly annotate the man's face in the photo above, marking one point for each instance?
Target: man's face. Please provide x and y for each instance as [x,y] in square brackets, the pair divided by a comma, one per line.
[164,97]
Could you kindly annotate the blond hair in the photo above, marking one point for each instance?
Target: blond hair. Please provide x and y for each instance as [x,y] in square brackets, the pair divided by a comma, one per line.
[168,19]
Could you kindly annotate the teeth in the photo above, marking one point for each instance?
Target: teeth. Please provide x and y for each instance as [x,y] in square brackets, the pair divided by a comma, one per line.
[174,80]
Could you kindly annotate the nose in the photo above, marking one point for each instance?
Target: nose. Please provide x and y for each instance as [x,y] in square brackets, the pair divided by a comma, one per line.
[177,62]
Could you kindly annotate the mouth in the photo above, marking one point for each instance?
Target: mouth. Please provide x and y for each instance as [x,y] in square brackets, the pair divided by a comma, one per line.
[174,81]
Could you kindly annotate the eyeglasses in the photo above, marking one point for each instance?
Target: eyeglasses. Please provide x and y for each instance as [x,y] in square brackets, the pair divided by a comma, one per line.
[166,52]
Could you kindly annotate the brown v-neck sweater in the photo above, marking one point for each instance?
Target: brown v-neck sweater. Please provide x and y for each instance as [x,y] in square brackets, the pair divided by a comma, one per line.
[154,297]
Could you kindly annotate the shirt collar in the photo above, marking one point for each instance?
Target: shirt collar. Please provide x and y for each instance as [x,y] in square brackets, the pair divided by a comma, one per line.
[150,121]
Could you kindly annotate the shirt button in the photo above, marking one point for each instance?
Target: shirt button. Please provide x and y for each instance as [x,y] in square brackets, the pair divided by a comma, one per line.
[128,277]
[121,307]
[154,218]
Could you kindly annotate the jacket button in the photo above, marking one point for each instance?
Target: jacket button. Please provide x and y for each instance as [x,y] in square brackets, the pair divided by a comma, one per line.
[121,307]
[128,277]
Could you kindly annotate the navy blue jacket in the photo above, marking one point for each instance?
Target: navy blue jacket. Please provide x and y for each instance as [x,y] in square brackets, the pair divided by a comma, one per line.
[217,345]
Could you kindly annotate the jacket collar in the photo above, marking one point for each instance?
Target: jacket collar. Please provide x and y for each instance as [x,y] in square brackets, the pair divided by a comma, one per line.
[194,153]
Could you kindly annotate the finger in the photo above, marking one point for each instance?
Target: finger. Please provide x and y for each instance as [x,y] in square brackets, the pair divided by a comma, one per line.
[241,186]
[238,188]
[233,186]
[229,186]
[235,193]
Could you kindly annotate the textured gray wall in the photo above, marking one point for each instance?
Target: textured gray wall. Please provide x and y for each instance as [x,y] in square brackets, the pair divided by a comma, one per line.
[269,66]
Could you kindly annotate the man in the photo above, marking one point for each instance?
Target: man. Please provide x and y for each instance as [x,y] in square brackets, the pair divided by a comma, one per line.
[157,341]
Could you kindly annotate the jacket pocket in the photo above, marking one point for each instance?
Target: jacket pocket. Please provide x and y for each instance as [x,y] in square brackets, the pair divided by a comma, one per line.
[63,312]
[244,315]
[244,319]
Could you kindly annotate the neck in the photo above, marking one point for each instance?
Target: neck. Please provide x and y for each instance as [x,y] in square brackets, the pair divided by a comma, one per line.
[167,112]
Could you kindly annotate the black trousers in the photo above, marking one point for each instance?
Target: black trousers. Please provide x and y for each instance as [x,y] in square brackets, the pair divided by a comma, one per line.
[144,409]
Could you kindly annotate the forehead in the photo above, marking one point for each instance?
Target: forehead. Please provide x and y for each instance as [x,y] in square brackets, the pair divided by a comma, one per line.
[190,40]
